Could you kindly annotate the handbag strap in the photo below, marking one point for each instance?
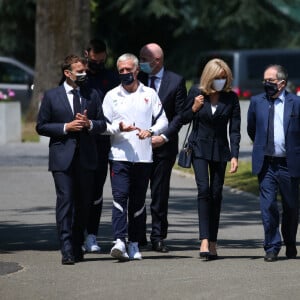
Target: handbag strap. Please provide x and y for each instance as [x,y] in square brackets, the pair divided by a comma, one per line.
[187,134]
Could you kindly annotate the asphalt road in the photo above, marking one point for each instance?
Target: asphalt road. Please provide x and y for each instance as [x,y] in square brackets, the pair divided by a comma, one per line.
[30,261]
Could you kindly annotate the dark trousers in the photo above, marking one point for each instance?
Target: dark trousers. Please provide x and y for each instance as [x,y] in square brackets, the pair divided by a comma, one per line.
[74,194]
[103,147]
[209,177]
[129,182]
[160,188]
[275,177]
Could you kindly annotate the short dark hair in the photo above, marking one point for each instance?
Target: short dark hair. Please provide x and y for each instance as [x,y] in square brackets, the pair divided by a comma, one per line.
[96,45]
[71,59]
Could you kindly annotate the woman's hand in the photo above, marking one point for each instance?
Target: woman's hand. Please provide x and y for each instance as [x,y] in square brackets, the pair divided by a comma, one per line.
[198,103]
[233,165]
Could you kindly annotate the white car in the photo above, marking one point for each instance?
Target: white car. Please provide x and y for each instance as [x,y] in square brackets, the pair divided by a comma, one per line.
[16,79]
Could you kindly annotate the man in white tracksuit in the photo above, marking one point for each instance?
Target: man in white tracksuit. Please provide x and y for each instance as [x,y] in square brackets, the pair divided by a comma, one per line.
[134,113]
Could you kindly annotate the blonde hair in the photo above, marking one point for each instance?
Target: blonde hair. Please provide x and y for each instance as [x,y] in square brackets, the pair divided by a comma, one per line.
[214,68]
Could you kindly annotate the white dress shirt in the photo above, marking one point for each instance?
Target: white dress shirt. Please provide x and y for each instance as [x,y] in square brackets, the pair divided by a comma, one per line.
[279,138]
[157,81]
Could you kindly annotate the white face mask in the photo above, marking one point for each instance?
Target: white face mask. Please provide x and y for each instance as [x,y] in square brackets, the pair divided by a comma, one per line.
[218,84]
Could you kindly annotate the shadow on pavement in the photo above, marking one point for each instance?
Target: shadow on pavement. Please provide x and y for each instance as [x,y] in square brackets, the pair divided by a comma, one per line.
[237,210]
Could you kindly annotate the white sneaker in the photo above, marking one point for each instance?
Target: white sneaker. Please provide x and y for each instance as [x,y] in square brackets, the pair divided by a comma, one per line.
[119,251]
[91,244]
[134,251]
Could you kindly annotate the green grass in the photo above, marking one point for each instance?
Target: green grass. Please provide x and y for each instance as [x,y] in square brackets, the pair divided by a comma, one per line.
[242,180]
[28,132]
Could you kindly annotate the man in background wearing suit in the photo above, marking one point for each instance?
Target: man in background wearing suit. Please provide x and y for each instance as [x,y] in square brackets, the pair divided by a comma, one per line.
[274,127]
[102,80]
[70,114]
[172,93]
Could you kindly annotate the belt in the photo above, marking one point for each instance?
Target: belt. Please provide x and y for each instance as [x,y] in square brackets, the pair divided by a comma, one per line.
[275,159]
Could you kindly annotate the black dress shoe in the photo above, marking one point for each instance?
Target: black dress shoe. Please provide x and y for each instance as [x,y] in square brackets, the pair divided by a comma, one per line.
[67,260]
[213,256]
[271,256]
[291,252]
[204,255]
[159,246]
[78,255]
[143,242]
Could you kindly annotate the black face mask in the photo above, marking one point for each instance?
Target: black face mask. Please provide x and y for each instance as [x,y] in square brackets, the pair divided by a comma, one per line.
[81,80]
[126,79]
[95,67]
[271,88]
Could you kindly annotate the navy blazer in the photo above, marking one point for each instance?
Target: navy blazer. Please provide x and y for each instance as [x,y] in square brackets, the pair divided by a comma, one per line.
[172,94]
[209,139]
[257,130]
[54,112]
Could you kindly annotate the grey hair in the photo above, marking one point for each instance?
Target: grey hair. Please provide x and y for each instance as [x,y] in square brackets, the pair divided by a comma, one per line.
[128,56]
[282,73]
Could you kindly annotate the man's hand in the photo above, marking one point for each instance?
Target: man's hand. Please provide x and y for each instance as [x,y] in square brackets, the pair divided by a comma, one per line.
[157,141]
[75,125]
[233,165]
[143,134]
[123,127]
[83,117]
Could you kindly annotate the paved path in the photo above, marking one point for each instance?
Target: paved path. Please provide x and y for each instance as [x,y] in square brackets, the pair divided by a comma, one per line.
[30,261]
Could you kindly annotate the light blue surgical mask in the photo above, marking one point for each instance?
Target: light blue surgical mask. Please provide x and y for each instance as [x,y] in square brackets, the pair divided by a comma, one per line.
[145,67]
[218,84]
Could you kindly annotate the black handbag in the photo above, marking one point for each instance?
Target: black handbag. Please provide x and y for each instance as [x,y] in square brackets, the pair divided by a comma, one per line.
[185,154]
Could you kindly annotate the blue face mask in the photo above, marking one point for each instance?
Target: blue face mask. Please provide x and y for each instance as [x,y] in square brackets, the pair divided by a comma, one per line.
[145,67]
[126,79]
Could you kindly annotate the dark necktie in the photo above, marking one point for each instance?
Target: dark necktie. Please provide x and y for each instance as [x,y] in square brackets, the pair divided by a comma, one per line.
[270,149]
[76,102]
[152,82]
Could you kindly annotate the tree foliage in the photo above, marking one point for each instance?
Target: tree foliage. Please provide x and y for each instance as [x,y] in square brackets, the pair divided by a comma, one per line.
[17,19]
[183,28]
[186,27]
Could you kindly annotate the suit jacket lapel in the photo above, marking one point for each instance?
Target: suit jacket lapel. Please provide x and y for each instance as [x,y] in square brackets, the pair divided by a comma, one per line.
[264,102]
[207,109]
[288,108]
[64,99]
[221,106]
[165,81]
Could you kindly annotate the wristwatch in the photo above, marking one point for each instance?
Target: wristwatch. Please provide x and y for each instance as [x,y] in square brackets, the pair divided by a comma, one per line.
[151,131]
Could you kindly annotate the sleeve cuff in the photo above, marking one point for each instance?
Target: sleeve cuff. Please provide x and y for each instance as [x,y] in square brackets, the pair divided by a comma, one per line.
[164,137]
[91,125]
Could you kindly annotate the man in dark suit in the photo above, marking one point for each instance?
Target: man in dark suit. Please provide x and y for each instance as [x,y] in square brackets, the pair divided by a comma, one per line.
[274,127]
[70,114]
[102,80]
[172,93]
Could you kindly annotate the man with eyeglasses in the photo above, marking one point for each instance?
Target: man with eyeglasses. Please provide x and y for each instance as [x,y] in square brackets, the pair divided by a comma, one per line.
[274,128]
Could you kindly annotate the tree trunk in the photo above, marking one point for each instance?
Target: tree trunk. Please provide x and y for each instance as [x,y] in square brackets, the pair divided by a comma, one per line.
[62,28]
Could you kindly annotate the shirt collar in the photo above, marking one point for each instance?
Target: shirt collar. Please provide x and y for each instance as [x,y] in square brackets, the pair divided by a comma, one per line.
[69,88]
[159,74]
[123,92]
[281,96]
